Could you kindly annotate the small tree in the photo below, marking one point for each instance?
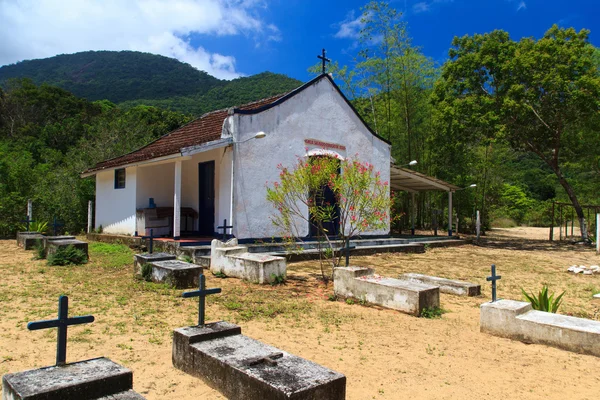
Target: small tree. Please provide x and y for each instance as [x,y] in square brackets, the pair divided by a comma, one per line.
[362,201]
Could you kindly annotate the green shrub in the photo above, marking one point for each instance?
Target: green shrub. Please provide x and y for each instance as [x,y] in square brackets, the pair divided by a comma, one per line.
[219,275]
[41,227]
[432,312]
[39,250]
[147,272]
[277,279]
[67,256]
[187,259]
[543,302]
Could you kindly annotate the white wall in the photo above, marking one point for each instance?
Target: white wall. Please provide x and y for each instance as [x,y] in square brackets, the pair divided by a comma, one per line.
[115,208]
[318,112]
[156,181]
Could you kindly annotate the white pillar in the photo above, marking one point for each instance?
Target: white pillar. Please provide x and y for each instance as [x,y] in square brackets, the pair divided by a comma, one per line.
[29,209]
[89,226]
[597,233]
[177,202]
[450,213]
[478,227]
[412,214]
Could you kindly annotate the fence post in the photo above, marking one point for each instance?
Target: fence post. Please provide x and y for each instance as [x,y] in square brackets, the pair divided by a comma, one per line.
[478,228]
[89,224]
[597,234]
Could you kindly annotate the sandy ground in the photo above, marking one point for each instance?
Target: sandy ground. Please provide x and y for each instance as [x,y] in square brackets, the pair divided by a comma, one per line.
[383,353]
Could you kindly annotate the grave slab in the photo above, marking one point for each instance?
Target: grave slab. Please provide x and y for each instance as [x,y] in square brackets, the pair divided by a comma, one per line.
[516,320]
[244,368]
[449,286]
[28,240]
[406,296]
[233,260]
[178,274]
[98,378]
[54,245]
[139,260]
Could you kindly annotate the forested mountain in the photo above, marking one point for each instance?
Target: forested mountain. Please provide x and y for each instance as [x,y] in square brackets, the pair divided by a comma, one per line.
[143,78]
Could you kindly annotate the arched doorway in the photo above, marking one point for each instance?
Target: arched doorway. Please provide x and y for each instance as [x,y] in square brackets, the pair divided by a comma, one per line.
[325,196]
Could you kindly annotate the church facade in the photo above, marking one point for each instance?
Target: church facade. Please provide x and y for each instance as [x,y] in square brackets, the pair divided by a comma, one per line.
[216,168]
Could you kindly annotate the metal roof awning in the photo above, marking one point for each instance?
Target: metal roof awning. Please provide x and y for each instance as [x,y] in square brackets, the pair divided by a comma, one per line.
[414,182]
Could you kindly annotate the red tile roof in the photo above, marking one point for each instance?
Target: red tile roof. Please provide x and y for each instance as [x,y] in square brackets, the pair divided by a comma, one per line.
[202,130]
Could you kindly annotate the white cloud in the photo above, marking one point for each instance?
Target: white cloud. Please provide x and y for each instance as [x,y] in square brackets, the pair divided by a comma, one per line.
[37,29]
[421,7]
[350,27]
[521,6]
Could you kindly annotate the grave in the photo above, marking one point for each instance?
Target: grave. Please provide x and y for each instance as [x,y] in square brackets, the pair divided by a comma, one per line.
[141,260]
[449,286]
[231,259]
[402,295]
[97,378]
[179,274]
[28,240]
[54,245]
[243,368]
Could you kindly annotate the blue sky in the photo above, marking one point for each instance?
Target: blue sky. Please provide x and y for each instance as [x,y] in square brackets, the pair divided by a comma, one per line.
[231,38]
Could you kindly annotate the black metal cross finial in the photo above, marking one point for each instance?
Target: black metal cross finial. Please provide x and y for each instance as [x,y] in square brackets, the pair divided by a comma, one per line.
[151,244]
[55,225]
[27,221]
[324,59]
[493,279]
[225,227]
[201,294]
[61,323]
[346,251]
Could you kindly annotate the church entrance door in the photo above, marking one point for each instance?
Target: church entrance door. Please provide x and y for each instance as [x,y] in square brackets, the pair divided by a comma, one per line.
[326,196]
[206,198]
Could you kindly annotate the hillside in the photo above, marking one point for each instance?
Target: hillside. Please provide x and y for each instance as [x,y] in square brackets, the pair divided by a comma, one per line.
[135,78]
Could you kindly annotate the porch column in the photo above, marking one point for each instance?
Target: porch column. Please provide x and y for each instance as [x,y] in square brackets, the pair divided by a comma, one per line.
[177,202]
[450,213]
[412,214]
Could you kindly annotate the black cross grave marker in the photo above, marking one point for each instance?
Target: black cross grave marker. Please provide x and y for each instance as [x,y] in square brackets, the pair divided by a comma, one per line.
[346,251]
[493,279]
[151,244]
[201,294]
[61,323]
[225,227]
[56,224]
[324,59]
[27,221]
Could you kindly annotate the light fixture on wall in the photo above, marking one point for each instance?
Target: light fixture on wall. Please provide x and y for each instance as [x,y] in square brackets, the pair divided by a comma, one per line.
[410,164]
[467,187]
[259,135]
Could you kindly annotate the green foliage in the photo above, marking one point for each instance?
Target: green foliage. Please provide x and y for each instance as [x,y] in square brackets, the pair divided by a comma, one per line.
[350,301]
[67,256]
[277,280]
[147,272]
[432,312]
[220,275]
[542,301]
[35,226]
[39,250]
[187,259]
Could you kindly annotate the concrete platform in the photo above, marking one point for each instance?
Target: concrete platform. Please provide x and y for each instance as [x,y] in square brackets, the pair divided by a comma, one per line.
[54,245]
[516,320]
[246,369]
[233,260]
[98,378]
[140,260]
[406,296]
[449,286]
[175,273]
[28,240]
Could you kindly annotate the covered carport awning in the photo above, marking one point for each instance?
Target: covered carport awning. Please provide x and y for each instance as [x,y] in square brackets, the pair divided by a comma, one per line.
[414,182]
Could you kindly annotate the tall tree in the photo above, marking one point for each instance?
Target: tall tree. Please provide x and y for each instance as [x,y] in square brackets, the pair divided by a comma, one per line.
[539,96]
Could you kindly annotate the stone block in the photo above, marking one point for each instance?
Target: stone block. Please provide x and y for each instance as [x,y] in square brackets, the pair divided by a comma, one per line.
[233,260]
[54,245]
[98,378]
[406,296]
[139,260]
[178,274]
[449,286]
[516,320]
[235,365]
[28,240]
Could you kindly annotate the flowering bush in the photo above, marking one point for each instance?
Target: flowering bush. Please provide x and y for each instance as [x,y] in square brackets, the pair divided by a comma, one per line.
[362,201]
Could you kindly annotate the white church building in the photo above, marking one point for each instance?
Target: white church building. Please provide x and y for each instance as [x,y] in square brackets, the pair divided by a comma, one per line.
[216,167]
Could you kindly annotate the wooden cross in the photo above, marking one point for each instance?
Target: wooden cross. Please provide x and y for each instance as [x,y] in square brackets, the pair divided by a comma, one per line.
[493,279]
[27,221]
[61,323]
[55,225]
[151,244]
[225,227]
[324,59]
[201,294]
[346,251]
[270,359]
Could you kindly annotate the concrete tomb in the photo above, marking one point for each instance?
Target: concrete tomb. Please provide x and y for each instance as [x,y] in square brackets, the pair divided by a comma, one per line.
[54,245]
[517,320]
[459,288]
[402,295]
[97,378]
[246,369]
[28,240]
[231,259]
[165,268]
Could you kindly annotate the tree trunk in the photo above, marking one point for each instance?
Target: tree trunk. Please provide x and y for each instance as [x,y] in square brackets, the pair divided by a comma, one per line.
[578,209]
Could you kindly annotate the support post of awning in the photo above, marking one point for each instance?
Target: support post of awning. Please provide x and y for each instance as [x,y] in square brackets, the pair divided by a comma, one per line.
[412,214]
[450,213]
[177,202]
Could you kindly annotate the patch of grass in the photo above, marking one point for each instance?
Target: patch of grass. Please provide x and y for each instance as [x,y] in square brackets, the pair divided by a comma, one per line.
[39,252]
[277,279]
[350,301]
[147,272]
[220,275]
[67,256]
[432,312]
[112,255]
[187,259]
